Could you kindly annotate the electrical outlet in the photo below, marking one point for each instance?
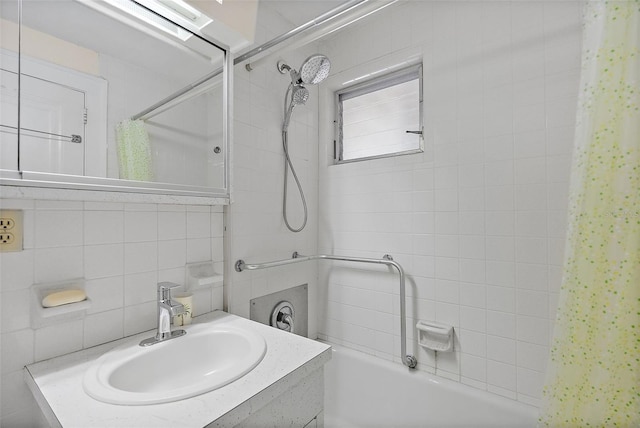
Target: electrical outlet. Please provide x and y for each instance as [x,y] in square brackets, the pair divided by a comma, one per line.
[10,230]
[7,238]
[7,223]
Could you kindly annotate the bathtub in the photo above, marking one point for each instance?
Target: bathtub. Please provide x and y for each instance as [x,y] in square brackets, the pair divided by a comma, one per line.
[364,391]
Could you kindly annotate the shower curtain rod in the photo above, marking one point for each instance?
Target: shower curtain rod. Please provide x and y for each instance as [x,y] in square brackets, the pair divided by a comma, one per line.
[358,12]
[345,7]
[156,109]
[408,360]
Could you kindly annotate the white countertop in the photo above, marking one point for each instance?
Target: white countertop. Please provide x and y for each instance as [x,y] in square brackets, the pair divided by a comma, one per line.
[289,358]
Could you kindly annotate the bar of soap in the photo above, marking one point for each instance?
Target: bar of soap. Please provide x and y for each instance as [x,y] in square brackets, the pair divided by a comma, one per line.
[63,297]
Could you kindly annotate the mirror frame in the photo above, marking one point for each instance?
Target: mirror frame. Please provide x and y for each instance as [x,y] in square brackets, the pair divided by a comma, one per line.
[30,179]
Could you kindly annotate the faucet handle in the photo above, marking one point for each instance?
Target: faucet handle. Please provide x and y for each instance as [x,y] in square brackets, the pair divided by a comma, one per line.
[164,289]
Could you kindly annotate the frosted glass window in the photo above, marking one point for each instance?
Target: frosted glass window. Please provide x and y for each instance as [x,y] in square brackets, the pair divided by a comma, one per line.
[374,117]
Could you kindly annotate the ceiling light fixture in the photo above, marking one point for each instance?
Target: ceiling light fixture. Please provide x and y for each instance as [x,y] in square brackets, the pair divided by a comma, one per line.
[178,10]
[170,11]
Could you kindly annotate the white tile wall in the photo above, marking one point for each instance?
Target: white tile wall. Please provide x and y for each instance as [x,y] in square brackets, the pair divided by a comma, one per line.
[122,250]
[256,231]
[481,236]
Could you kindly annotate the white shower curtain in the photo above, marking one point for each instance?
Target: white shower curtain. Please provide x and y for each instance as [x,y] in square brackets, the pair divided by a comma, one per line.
[594,372]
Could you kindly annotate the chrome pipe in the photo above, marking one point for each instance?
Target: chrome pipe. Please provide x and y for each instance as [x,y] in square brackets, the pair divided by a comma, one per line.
[408,360]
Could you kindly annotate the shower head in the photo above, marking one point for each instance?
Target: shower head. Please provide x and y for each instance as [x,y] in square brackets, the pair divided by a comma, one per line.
[315,69]
[299,95]
[312,71]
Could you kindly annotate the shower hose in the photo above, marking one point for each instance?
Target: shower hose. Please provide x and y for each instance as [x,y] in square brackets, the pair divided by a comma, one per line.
[288,109]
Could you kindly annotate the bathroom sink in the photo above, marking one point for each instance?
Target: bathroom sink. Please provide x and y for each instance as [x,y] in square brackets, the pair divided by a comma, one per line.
[208,357]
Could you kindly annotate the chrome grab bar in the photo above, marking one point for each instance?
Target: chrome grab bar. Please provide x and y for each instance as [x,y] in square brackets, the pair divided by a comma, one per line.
[408,360]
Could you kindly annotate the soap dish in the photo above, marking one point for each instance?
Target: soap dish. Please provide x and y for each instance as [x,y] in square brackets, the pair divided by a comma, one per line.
[41,315]
[201,275]
[434,336]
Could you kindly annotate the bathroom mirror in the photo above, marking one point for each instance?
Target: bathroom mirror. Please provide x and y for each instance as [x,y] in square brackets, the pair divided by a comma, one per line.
[113,95]
[8,87]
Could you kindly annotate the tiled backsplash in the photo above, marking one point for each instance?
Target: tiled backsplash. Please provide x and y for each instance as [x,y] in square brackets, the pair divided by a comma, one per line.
[478,219]
[122,250]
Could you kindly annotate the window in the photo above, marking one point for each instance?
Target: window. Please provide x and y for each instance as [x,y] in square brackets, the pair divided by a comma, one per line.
[380,117]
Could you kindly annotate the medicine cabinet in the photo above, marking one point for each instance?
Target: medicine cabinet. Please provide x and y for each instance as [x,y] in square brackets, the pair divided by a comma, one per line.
[117,95]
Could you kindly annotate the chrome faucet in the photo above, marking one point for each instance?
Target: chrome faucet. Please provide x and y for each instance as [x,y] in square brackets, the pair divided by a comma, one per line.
[167,309]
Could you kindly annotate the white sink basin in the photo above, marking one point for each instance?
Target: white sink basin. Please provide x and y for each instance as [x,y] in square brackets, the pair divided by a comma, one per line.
[208,357]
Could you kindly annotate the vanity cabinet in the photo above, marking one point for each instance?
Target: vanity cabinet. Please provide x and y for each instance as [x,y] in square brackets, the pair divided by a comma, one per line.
[286,389]
[298,406]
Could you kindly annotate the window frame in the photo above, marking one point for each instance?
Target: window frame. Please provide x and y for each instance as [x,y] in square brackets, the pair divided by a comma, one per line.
[377,83]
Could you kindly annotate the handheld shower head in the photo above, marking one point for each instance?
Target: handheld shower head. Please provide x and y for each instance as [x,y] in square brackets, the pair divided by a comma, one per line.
[299,95]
